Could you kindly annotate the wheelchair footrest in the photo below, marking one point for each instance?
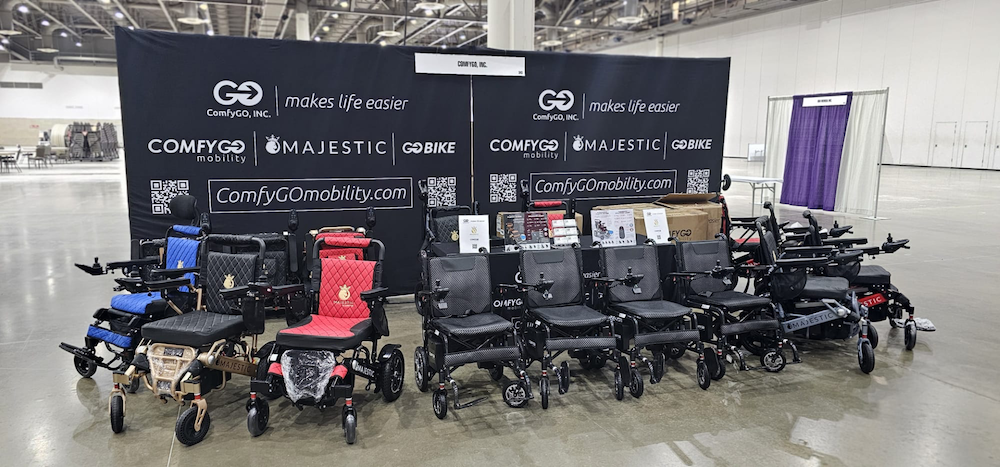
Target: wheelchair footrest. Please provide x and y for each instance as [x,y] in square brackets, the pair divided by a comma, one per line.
[109,337]
[490,354]
[667,337]
[468,404]
[592,342]
[81,352]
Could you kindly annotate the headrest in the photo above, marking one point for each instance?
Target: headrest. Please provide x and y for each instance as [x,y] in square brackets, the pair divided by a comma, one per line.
[347,242]
[547,204]
[184,207]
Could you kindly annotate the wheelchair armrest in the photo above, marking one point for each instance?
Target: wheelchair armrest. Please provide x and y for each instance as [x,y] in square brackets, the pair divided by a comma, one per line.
[892,247]
[285,290]
[168,284]
[838,231]
[845,241]
[801,262]
[133,263]
[796,230]
[235,292]
[810,250]
[94,270]
[843,257]
[374,294]
[173,272]
[132,284]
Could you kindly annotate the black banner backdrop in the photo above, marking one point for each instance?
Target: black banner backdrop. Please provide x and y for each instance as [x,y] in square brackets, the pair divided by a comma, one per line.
[602,129]
[253,128]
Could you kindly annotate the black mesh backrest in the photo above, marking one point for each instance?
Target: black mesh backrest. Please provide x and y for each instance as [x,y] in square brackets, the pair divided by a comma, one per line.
[468,281]
[224,271]
[702,256]
[769,247]
[445,228]
[563,266]
[615,264]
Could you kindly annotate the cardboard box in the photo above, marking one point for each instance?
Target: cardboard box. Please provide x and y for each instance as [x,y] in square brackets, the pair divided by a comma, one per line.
[685,224]
[698,201]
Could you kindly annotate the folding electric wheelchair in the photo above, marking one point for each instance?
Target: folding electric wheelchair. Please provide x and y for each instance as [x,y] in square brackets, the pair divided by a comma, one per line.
[707,281]
[189,355]
[556,320]
[440,222]
[630,289]
[308,362]
[117,326]
[459,327]
[872,283]
[807,304]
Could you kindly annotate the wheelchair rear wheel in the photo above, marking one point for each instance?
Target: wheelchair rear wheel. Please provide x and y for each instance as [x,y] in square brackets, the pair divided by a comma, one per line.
[393,371]
[184,429]
[420,371]
[84,367]
[117,413]
[619,386]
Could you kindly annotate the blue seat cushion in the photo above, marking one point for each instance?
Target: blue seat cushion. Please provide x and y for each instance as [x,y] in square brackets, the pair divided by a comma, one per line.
[105,335]
[139,303]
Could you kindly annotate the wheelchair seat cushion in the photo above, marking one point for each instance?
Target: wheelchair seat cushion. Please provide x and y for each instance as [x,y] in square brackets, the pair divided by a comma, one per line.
[731,300]
[652,309]
[318,332]
[139,303]
[195,329]
[873,275]
[570,316]
[819,287]
[479,324]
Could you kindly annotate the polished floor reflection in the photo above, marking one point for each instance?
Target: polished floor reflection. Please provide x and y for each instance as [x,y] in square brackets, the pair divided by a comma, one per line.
[935,405]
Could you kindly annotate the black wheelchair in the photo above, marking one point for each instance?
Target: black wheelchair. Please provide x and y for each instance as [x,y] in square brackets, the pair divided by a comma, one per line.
[707,280]
[185,357]
[459,327]
[117,327]
[557,320]
[631,291]
[315,361]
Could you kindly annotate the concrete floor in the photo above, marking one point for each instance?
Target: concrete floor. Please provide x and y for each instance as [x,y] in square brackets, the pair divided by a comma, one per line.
[935,405]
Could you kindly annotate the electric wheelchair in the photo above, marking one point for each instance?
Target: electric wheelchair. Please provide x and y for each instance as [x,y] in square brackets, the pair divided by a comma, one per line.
[459,327]
[556,320]
[185,357]
[810,305]
[309,361]
[631,291]
[707,280]
[117,326]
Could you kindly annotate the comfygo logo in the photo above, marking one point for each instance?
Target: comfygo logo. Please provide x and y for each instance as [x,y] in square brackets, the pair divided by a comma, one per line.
[562,100]
[247,93]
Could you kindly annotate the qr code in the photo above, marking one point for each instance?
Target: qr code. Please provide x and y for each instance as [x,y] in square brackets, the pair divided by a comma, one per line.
[503,188]
[441,191]
[698,180]
[162,191]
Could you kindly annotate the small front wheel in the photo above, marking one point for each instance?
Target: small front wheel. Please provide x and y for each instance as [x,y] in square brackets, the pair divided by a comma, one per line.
[773,360]
[543,390]
[910,334]
[676,351]
[351,427]
[872,335]
[866,357]
[440,398]
[658,367]
[184,429]
[619,386]
[258,416]
[704,379]
[84,367]
[496,372]
[635,386]
[117,413]
[564,377]
[515,395]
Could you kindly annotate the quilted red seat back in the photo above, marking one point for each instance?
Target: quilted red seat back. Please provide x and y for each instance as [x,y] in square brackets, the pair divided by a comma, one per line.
[341,285]
[340,252]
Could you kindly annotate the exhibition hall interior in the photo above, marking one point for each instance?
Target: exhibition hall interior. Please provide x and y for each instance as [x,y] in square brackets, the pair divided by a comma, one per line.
[481,232]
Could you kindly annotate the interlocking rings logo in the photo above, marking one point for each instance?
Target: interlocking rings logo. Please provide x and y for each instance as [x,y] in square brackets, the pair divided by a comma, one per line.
[562,100]
[247,93]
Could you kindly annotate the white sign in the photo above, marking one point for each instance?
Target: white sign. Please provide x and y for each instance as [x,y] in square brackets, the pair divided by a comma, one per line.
[477,65]
[823,101]
[473,233]
[755,152]
[656,225]
[613,227]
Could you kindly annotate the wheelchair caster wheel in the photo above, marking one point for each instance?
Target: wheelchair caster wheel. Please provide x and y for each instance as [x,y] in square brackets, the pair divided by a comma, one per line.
[910,334]
[496,372]
[892,322]
[595,361]
[676,351]
[564,378]
[133,386]
[184,429]
[420,372]
[873,336]
[635,387]
[543,390]
[84,367]
[659,361]
[515,395]
[117,413]
[704,379]
[351,427]
[393,371]
[716,366]
[866,357]
[440,399]
[619,386]
[258,416]
[773,360]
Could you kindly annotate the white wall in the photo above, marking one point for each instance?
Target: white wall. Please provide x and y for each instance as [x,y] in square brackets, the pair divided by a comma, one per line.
[940,60]
[76,92]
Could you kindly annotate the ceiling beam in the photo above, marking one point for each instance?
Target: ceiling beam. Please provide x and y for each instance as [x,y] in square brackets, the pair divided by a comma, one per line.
[92,19]
[166,12]
[51,18]
[125,12]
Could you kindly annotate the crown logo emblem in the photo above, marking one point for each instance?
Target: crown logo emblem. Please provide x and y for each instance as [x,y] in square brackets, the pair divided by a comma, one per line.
[345,292]
[272,145]
[454,235]
[230,281]
[180,264]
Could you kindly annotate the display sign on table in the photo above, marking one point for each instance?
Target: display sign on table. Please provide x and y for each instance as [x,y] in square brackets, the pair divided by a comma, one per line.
[655,221]
[613,227]
[473,233]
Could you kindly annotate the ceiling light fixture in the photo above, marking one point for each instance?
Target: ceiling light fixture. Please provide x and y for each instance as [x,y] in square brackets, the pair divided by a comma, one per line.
[63,34]
[119,15]
[461,37]
[45,22]
[428,12]
[78,44]
[5,41]
[433,6]
[336,15]
[210,32]
[131,28]
[413,21]
[389,33]
[23,8]
[104,1]
[326,28]
[10,32]
[445,46]
[577,21]
[551,43]
[382,43]
[344,4]
[203,6]
[47,50]
[316,38]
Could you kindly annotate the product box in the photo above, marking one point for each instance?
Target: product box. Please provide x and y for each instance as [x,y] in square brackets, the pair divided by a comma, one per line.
[698,201]
[685,224]
[551,215]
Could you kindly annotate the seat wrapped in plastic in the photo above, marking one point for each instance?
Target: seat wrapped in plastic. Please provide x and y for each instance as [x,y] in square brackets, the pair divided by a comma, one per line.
[307,373]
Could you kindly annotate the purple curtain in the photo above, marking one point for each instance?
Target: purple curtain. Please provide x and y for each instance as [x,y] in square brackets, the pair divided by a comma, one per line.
[812,163]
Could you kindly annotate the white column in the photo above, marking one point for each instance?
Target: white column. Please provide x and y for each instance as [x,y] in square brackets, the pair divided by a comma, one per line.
[511,24]
[302,20]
